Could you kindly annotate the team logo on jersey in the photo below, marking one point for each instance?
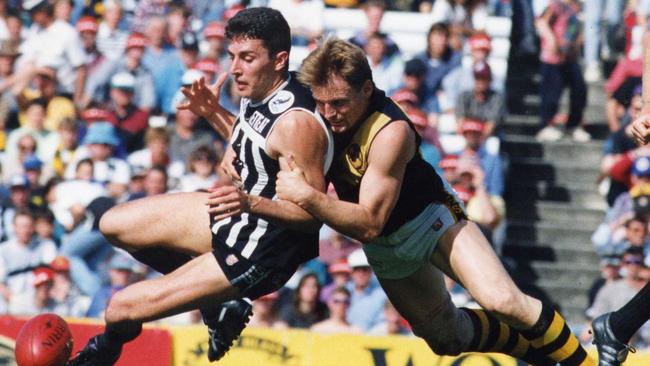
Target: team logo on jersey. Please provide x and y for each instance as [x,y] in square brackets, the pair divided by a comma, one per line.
[281,102]
[355,157]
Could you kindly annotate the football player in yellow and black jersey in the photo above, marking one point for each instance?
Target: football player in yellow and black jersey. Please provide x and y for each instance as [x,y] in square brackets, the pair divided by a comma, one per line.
[412,225]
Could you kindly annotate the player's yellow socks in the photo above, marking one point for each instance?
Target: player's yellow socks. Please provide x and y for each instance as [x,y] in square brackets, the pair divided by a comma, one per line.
[552,337]
[492,335]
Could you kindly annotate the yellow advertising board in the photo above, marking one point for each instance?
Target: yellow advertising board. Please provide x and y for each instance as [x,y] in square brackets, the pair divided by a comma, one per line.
[267,347]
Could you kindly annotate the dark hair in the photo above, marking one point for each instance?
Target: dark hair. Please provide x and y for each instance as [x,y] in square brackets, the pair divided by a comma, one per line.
[301,283]
[37,101]
[265,24]
[634,250]
[44,214]
[636,218]
[159,168]
[438,27]
[200,153]
[84,161]
[23,212]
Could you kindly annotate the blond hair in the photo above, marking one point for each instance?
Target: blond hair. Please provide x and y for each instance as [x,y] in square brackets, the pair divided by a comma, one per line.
[156,134]
[335,57]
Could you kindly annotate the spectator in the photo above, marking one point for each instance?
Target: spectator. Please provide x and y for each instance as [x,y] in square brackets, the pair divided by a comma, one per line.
[482,103]
[374,12]
[610,267]
[40,299]
[334,246]
[340,272]
[306,309]
[155,182]
[202,170]
[159,57]
[305,18]
[393,325]
[336,322]
[483,208]
[156,153]
[63,10]
[120,274]
[386,70]
[465,17]
[476,152]
[53,41]
[129,120]
[15,28]
[111,40]
[65,293]
[430,145]
[178,22]
[215,35]
[8,54]
[99,142]
[58,106]
[87,28]
[449,167]
[44,225]
[615,294]
[144,95]
[264,314]
[367,301]
[594,12]
[176,73]
[184,137]
[19,199]
[440,60]
[559,31]
[34,125]
[209,68]
[12,164]
[33,172]
[413,79]
[145,10]
[20,255]
[68,135]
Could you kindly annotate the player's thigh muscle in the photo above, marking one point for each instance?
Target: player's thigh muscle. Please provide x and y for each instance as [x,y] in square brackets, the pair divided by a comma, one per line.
[197,283]
[177,221]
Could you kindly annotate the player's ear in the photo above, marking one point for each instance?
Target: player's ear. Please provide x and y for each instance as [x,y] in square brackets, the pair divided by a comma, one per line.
[281,60]
[367,88]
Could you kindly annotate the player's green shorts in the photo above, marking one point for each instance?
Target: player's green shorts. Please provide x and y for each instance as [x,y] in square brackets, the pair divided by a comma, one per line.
[403,252]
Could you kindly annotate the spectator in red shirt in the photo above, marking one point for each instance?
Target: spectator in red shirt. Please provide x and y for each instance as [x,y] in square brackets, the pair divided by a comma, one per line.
[130,121]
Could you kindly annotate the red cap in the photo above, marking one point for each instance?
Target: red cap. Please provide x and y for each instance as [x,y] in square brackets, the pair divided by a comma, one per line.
[214,29]
[207,65]
[480,41]
[340,266]
[136,40]
[448,162]
[94,115]
[87,24]
[418,118]
[472,125]
[60,264]
[43,275]
[404,95]
[232,11]
[464,193]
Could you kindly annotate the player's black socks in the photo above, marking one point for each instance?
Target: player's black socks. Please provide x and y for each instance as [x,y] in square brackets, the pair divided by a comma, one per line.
[552,337]
[161,259]
[627,320]
[492,335]
[116,335]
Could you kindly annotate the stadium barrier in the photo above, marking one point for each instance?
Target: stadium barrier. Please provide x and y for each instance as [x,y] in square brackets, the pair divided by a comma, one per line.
[188,345]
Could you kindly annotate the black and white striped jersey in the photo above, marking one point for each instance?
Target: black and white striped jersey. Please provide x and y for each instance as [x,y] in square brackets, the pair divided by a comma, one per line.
[250,236]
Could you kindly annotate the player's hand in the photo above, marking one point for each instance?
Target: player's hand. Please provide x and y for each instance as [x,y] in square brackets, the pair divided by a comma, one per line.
[291,184]
[228,201]
[641,129]
[201,99]
[228,167]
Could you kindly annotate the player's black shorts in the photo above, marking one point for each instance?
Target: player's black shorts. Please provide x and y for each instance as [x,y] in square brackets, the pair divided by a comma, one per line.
[253,280]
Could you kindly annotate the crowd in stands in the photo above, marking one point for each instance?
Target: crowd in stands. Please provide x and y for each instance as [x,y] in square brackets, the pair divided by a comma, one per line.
[88,119]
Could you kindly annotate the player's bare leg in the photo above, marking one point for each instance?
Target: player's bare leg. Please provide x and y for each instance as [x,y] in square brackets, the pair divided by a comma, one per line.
[155,299]
[165,232]
[424,301]
[464,252]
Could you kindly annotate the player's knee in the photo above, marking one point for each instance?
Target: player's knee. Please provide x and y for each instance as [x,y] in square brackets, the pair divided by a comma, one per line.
[112,226]
[505,301]
[444,331]
[120,309]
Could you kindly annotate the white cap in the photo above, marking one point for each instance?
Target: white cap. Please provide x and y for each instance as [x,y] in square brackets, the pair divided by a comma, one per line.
[358,259]
[28,5]
[123,80]
[191,76]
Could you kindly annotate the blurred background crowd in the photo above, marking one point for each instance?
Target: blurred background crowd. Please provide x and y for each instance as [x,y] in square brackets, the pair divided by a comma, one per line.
[88,119]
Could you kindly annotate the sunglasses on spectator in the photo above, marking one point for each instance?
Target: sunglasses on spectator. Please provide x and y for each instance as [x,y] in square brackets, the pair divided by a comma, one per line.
[633,261]
[341,301]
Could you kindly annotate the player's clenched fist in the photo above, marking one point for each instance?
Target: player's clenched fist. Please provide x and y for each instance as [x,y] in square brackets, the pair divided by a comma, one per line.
[641,129]
[291,184]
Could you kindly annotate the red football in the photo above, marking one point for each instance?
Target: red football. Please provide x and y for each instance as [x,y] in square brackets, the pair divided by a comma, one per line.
[45,340]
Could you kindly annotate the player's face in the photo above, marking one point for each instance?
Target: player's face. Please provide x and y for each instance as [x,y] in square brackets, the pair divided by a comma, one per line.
[254,71]
[341,105]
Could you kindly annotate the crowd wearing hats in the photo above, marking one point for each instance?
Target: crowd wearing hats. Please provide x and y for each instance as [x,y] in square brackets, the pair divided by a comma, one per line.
[88,119]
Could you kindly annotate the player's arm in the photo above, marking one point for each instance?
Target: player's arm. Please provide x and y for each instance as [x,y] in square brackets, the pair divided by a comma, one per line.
[297,134]
[203,100]
[391,150]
